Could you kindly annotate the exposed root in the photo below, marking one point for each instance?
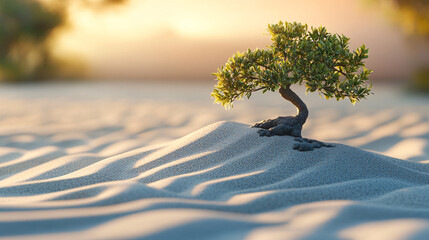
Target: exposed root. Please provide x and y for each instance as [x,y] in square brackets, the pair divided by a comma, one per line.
[305,144]
[280,126]
[290,126]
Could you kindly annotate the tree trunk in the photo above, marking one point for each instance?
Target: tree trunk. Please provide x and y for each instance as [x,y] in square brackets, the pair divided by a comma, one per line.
[302,111]
[290,125]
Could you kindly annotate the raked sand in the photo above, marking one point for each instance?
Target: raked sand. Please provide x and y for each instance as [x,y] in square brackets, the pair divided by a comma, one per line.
[125,165]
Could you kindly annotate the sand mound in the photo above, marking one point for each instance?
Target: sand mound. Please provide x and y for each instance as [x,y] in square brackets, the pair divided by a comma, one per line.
[220,182]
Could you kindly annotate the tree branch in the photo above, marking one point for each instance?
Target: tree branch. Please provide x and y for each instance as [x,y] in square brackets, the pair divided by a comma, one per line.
[262,65]
[337,70]
[258,89]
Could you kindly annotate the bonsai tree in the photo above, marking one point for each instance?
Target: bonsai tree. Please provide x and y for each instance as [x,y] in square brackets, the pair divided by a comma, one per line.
[298,55]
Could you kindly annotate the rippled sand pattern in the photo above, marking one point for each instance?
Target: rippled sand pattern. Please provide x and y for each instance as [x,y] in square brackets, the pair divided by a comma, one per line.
[153,161]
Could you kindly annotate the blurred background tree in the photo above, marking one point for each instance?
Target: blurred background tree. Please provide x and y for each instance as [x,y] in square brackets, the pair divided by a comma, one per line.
[26,32]
[24,39]
[412,16]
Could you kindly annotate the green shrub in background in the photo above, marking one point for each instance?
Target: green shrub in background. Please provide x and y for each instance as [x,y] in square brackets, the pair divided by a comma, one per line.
[420,81]
[27,28]
[412,16]
[24,33]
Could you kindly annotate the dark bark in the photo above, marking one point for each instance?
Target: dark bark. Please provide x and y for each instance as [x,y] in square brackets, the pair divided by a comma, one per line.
[290,125]
[302,110]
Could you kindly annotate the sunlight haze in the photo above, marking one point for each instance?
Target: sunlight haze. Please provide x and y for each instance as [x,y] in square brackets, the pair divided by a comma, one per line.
[188,40]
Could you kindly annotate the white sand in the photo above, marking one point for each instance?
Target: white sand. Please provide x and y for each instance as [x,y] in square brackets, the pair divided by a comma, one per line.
[84,162]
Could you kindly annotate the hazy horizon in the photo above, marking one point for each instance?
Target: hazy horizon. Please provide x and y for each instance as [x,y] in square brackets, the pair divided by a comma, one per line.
[189,39]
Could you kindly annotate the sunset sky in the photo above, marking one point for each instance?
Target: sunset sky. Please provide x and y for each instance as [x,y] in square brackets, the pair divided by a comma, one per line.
[190,39]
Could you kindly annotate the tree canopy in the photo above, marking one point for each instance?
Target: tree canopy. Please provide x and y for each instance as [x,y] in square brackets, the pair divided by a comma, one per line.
[298,55]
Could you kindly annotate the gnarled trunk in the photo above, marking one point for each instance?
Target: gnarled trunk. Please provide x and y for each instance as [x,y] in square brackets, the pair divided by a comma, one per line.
[302,111]
[291,125]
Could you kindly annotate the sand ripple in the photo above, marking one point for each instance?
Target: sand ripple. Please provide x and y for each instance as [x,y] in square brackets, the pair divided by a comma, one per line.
[222,181]
[91,162]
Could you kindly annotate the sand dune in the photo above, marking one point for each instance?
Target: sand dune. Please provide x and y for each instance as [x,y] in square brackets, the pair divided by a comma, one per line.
[222,181]
[155,167]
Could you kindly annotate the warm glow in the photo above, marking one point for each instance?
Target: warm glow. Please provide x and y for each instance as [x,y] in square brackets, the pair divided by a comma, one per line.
[190,38]
[386,230]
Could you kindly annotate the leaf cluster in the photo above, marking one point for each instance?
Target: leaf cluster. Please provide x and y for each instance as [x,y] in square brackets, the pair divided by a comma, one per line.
[298,55]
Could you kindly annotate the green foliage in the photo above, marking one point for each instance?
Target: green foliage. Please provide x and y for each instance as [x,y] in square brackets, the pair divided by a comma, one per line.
[27,28]
[412,16]
[24,30]
[297,55]
[420,81]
